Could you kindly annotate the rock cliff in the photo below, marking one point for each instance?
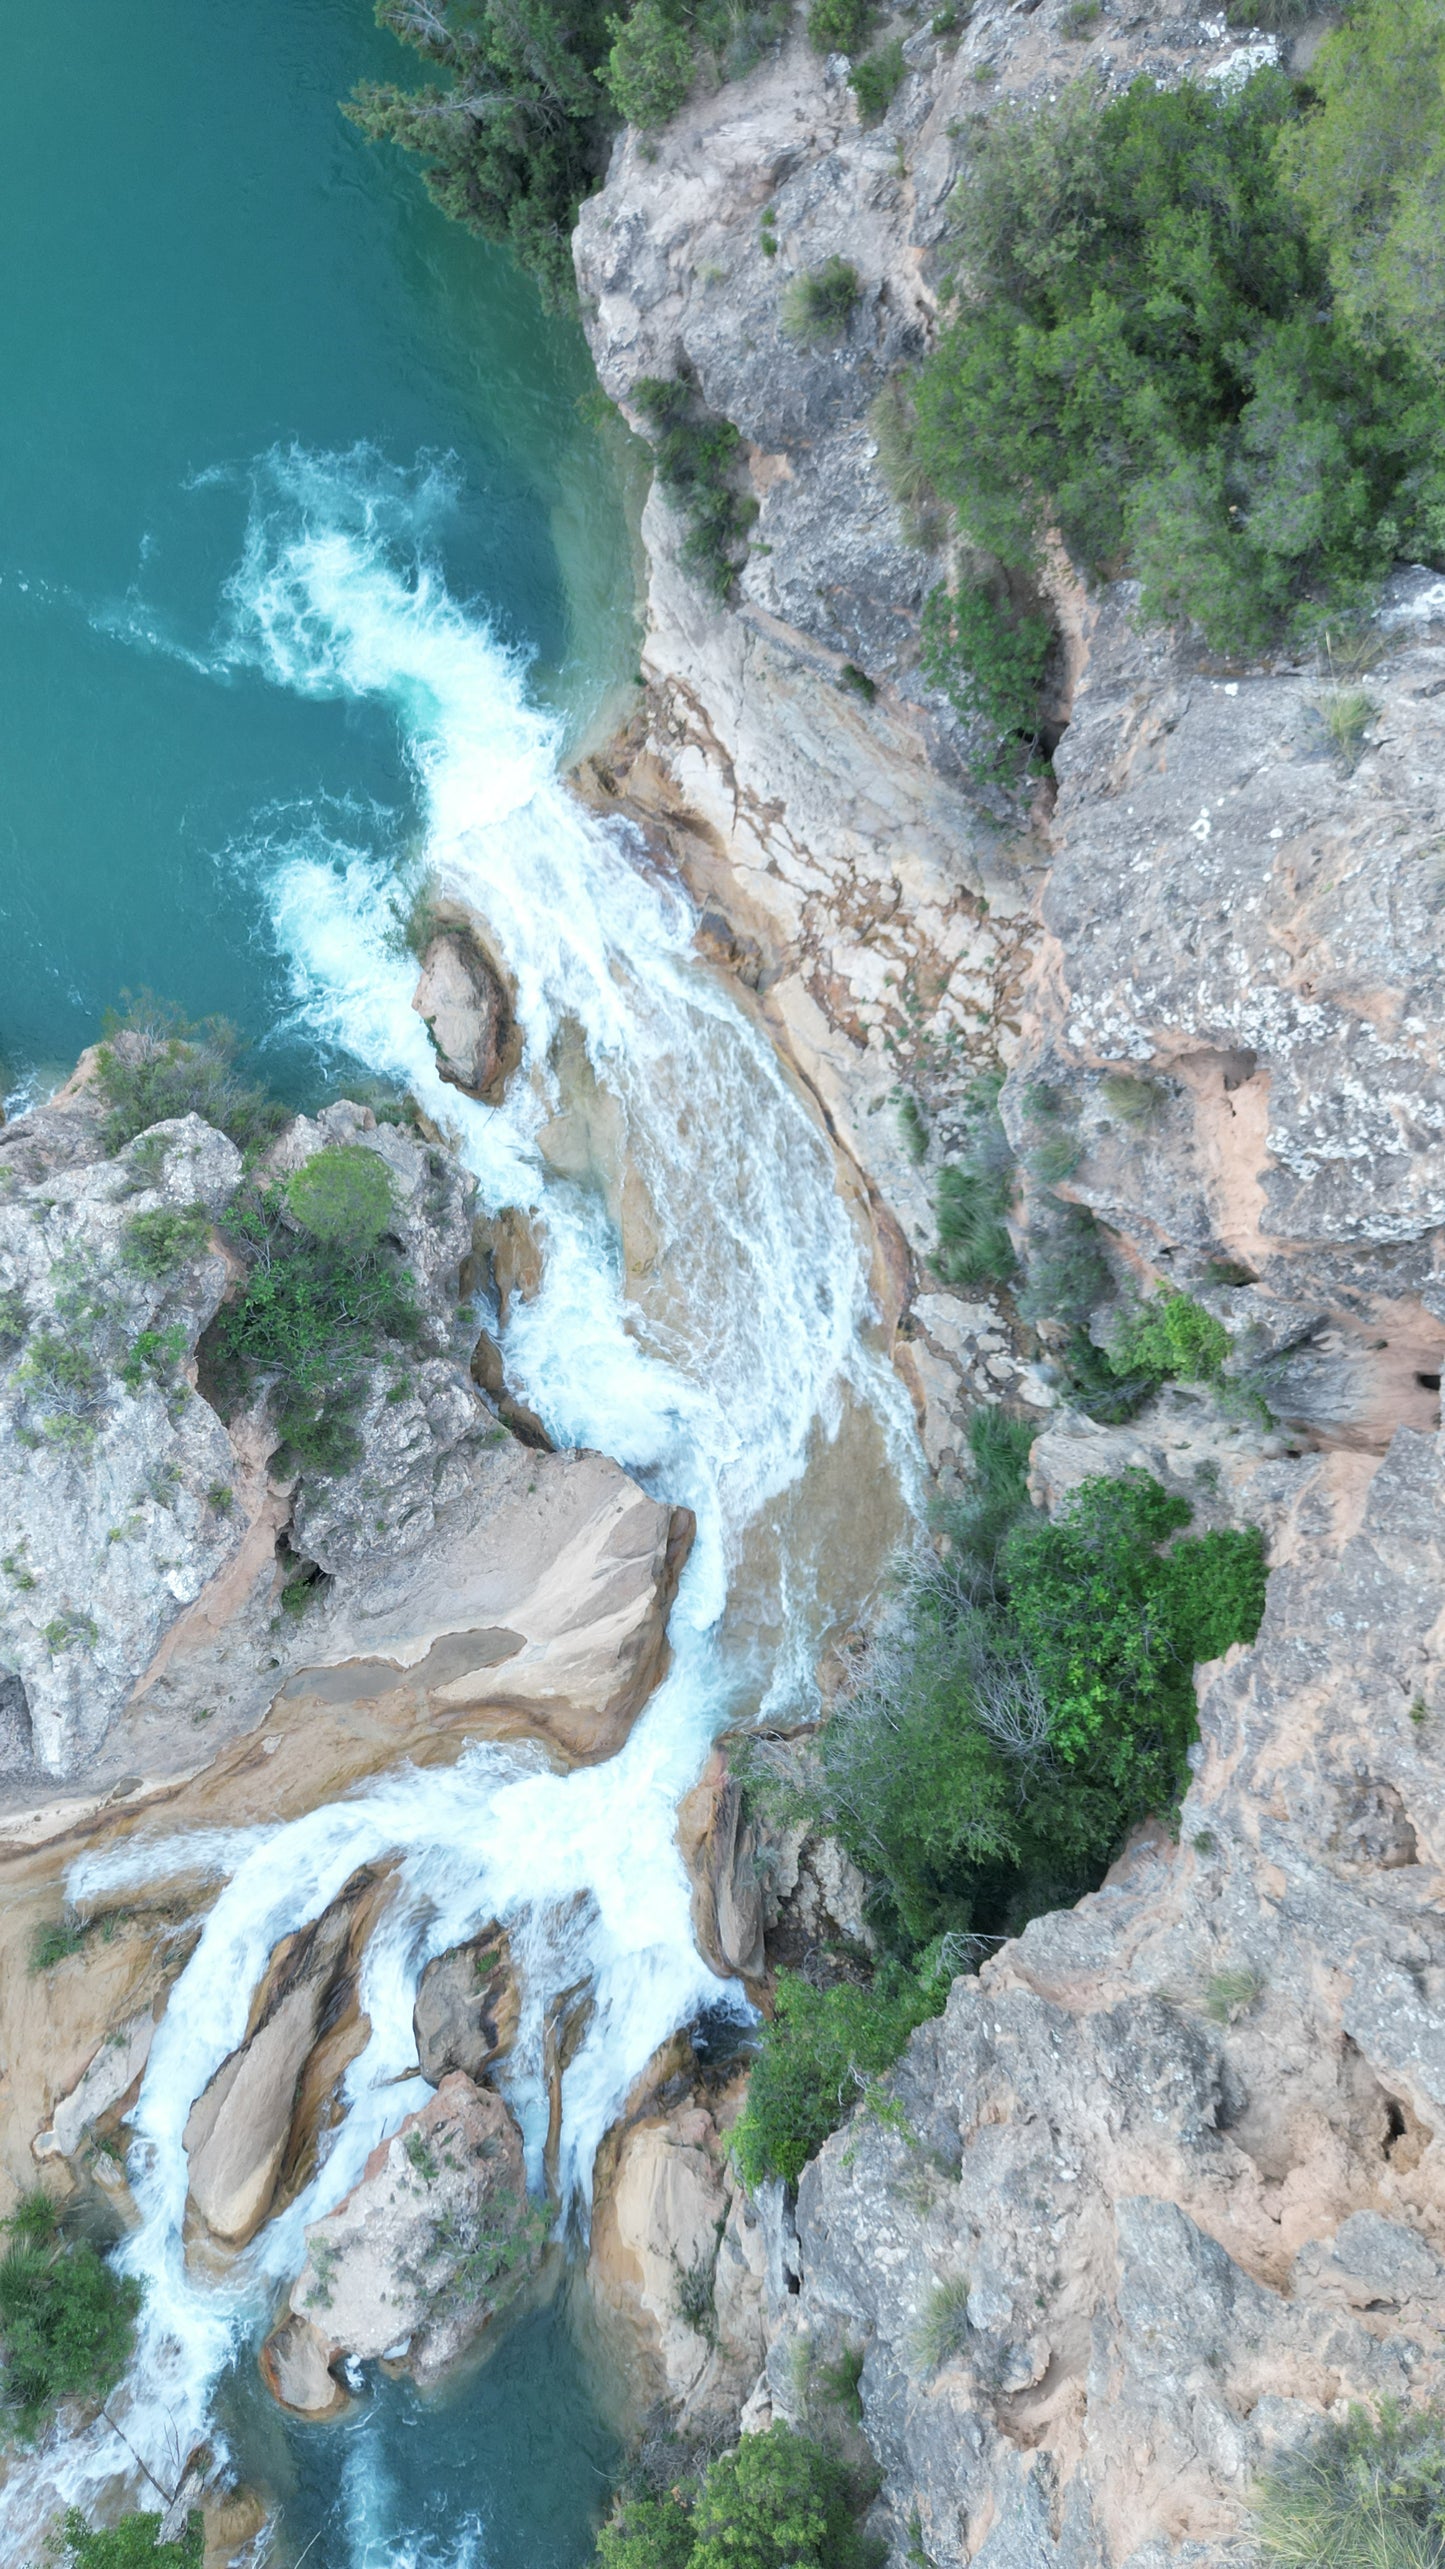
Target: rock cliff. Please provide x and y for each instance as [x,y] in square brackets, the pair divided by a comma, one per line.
[1159,2190]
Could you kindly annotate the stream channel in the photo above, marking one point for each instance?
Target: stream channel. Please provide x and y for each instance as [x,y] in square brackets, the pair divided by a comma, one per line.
[311,576]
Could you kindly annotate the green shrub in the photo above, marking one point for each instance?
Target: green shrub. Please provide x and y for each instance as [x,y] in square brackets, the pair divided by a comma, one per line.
[67,2321]
[14,1319]
[819,302]
[312,1314]
[1113,1624]
[1171,1339]
[133,2543]
[815,2059]
[1344,715]
[1368,168]
[1231,1994]
[155,1063]
[974,1196]
[343,1196]
[877,79]
[779,2501]
[1146,362]
[989,660]
[1365,2493]
[1068,1273]
[838,26]
[1030,1698]
[55,1942]
[942,2330]
[155,1244]
[700,462]
[1078,19]
[1132,1098]
[650,68]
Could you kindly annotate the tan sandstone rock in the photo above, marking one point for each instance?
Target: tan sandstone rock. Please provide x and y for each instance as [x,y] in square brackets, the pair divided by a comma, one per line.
[467,2007]
[435,2239]
[465,1005]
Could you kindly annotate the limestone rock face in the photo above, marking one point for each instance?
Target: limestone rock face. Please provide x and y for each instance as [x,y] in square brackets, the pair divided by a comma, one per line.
[107,1453]
[721,1850]
[432,2243]
[1175,2186]
[467,2007]
[1249,927]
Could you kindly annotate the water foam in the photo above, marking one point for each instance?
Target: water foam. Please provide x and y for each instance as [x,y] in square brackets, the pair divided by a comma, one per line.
[718,1394]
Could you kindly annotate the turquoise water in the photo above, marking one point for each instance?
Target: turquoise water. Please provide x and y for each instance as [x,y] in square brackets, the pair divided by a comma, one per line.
[207,275]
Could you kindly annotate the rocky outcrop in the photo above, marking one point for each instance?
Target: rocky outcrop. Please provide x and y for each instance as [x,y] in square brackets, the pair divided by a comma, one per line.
[1242,922]
[467,2007]
[463,1001]
[1169,2188]
[417,2260]
[677,2259]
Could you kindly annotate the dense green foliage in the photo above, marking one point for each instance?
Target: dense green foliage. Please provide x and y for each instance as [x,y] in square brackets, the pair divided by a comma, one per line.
[1170,1339]
[343,1196]
[67,2322]
[514,123]
[313,1311]
[839,26]
[154,1063]
[780,2501]
[877,79]
[1147,359]
[988,656]
[155,1244]
[1369,169]
[700,462]
[819,2051]
[1366,2493]
[512,126]
[131,2544]
[1032,1697]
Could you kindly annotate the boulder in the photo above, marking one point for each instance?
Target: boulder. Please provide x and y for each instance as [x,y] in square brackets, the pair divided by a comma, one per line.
[433,2242]
[467,2006]
[250,2121]
[463,1001]
[721,1851]
[114,2070]
[677,2253]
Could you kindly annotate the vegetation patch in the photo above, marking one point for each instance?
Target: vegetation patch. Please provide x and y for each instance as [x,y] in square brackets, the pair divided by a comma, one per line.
[819,303]
[975,1195]
[700,463]
[67,2320]
[1169,1339]
[1029,1700]
[877,79]
[155,1245]
[780,2501]
[154,1063]
[839,26]
[317,1307]
[133,2543]
[1366,2493]
[1150,357]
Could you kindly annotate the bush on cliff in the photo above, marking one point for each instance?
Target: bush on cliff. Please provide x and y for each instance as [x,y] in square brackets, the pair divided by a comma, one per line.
[1029,1700]
[779,2501]
[1147,358]
[67,2320]
[154,1062]
[319,1303]
[700,464]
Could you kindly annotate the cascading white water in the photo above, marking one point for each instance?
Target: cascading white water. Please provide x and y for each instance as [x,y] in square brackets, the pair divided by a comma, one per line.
[724,1394]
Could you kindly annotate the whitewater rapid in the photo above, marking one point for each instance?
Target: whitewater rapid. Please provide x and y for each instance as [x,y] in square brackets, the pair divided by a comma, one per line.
[721,1395]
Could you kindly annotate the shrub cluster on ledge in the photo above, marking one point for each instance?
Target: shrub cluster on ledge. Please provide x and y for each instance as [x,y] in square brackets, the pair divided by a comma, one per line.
[1197,335]
[700,463]
[1030,1699]
[779,2501]
[67,2320]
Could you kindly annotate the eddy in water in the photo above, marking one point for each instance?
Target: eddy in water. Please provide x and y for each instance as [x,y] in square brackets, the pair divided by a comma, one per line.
[701,1316]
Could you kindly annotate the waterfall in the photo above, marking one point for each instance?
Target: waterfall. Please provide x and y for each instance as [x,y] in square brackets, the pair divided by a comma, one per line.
[725,1387]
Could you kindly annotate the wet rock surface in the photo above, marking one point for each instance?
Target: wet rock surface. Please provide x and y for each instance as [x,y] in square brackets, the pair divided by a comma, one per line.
[413,2264]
